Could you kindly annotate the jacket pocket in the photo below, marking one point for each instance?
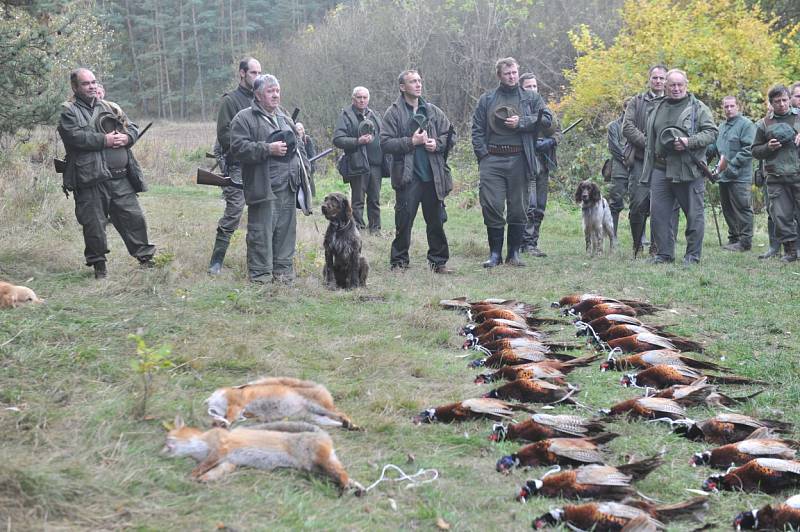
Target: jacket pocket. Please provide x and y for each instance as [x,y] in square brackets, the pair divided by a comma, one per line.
[89,168]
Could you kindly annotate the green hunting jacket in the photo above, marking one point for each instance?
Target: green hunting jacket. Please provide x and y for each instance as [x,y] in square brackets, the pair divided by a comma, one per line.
[232,102]
[345,137]
[634,122]
[84,144]
[250,131]
[782,165]
[616,148]
[698,121]
[396,140]
[530,102]
[734,142]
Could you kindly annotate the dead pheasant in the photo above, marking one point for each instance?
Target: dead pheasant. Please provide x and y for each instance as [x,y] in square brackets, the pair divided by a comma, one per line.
[533,391]
[782,516]
[648,341]
[768,475]
[518,356]
[470,409]
[558,451]
[662,376]
[583,306]
[625,330]
[476,307]
[757,445]
[648,359]
[647,408]
[700,392]
[727,428]
[501,332]
[534,370]
[543,426]
[591,481]
[605,309]
[614,516]
[478,329]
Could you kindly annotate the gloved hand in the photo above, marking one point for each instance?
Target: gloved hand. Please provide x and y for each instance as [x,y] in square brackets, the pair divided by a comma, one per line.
[544,144]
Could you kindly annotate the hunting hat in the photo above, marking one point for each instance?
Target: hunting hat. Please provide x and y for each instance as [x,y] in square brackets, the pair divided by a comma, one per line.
[498,119]
[419,121]
[668,135]
[286,136]
[366,127]
[107,122]
[782,132]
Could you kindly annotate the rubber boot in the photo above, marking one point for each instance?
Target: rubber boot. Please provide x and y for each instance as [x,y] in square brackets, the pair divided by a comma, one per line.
[515,232]
[789,252]
[218,255]
[615,218]
[100,271]
[495,237]
[637,231]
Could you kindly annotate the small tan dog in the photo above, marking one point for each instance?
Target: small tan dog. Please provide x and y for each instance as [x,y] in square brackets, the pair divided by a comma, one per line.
[276,398]
[269,446]
[13,296]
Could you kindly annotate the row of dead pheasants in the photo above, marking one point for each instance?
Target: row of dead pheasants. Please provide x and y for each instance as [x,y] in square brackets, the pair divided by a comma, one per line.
[535,370]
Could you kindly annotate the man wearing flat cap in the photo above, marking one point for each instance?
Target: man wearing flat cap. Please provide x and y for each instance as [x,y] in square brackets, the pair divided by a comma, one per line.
[505,126]
[678,131]
[275,181]
[358,133]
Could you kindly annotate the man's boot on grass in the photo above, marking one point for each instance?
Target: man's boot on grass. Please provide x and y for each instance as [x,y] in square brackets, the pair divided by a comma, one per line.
[100,271]
[218,255]
[772,251]
[789,251]
[495,237]
[515,232]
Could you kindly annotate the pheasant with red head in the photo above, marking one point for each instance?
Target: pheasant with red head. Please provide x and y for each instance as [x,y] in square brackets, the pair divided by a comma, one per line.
[557,451]
[591,481]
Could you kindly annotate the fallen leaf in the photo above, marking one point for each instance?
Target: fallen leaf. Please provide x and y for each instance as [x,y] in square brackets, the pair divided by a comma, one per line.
[393,504]
[441,524]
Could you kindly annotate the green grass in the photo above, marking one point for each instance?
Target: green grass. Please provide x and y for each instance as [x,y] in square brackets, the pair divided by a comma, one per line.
[74,457]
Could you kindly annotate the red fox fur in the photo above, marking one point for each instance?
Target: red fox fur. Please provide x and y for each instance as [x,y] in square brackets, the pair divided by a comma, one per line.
[267,446]
[13,296]
[276,398]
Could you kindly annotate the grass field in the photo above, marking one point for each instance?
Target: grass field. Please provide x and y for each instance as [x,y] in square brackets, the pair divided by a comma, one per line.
[74,456]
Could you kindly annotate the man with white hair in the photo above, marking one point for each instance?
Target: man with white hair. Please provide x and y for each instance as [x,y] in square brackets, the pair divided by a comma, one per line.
[358,133]
[264,140]
[678,131]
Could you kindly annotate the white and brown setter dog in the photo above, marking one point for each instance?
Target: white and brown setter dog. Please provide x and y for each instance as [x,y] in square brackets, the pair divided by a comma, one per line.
[597,221]
[344,265]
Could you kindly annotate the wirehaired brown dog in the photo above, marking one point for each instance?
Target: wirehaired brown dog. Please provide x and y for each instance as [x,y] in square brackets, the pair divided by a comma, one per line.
[344,265]
[597,221]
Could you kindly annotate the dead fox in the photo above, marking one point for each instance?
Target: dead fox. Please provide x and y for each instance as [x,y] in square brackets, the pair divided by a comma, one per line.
[275,398]
[266,446]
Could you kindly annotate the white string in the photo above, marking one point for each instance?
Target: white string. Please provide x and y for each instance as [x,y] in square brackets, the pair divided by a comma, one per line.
[403,476]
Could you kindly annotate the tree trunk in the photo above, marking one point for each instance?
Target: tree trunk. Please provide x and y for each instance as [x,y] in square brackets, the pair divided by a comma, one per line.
[162,62]
[199,65]
[136,71]
[183,60]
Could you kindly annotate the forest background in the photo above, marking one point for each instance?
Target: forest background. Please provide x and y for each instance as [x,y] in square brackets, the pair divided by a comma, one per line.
[172,60]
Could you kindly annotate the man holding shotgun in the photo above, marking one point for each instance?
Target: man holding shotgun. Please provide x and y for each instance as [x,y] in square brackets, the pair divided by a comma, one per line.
[232,102]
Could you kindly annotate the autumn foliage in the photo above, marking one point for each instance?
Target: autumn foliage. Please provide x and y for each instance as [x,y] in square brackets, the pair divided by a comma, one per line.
[725,46]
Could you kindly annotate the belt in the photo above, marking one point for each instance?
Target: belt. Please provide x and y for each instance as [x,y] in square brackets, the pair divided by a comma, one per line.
[660,162]
[118,172]
[504,149]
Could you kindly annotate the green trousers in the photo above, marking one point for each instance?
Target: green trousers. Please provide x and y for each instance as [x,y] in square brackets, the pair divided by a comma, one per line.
[664,193]
[736,201]
[784,204]
[271,236]
[112,200]
[368,185]
[503,189]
